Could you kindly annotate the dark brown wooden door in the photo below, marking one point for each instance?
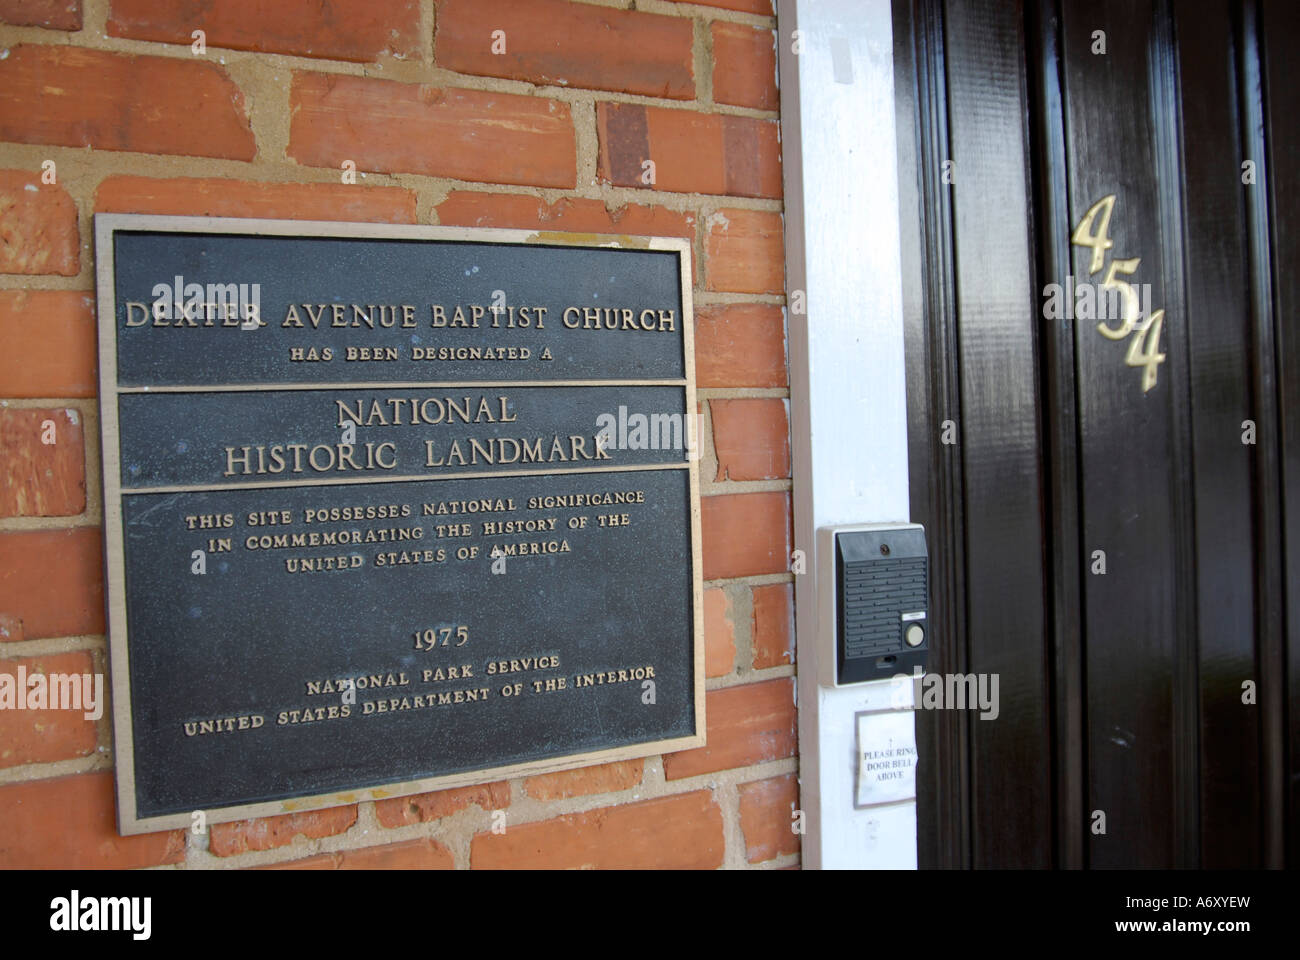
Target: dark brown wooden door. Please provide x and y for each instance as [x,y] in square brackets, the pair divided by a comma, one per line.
[1114,519]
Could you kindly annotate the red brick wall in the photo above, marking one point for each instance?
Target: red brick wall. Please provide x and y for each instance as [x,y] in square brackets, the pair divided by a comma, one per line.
[109,97]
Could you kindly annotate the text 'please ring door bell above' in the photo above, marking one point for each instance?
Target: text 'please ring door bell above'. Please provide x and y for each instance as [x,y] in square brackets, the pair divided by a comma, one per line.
[874,590]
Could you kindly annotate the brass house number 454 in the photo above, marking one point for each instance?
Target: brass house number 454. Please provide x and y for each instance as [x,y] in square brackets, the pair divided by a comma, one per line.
[1143,350]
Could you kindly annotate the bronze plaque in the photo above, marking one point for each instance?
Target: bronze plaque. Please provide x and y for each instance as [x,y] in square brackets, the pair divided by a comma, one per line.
[391,509]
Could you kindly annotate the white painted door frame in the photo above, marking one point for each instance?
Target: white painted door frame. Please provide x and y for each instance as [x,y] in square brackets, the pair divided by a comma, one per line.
[848,398]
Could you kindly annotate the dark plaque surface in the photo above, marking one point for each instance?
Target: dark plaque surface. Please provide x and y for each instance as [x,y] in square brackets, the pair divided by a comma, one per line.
[390,509]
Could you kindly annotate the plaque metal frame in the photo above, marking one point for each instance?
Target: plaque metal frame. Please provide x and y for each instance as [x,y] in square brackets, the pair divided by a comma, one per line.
[106,224]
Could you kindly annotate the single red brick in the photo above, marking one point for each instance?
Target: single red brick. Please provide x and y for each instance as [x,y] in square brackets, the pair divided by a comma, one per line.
[53,581]
[423,807]
[392,127]
[752,438]
[569,44]
[692,152]
[334,29]
[773,625]
[719,635]
[42,463]
[677,833]
[44,736]
[744,65]
[765,7]
[601,778]
[74,97]
[748,724]
[50,344]
[745,534]
[266,833]
[744,251]
[420,854]
[321,861]
[52,14]
[469,208]
[69,823]
[740,345]
[517,211]
[38,224]
[214,197]
[767,817]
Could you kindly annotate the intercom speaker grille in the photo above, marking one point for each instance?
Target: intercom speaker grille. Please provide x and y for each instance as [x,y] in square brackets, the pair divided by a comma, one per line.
[875,592]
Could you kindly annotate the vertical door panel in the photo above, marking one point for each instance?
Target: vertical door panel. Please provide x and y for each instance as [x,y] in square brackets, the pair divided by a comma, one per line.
[1279,32]
[934,468]
[1126,450]
[998,438]
[1218,326]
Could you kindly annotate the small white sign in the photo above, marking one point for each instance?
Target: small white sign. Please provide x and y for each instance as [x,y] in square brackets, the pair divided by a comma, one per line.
[886,751]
